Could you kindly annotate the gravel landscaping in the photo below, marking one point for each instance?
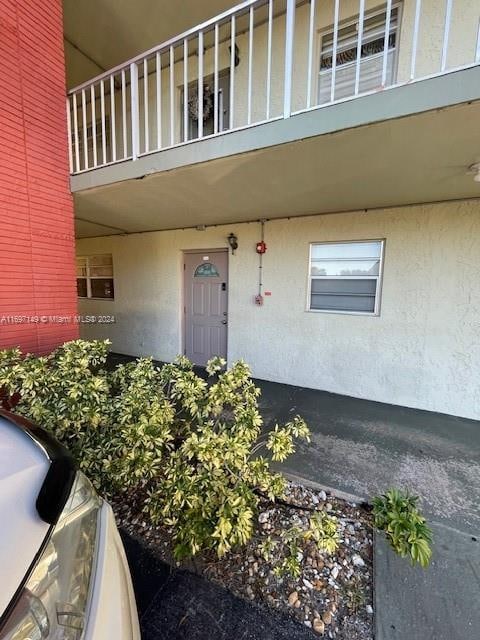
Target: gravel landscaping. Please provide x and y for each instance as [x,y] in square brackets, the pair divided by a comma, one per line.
[332,594]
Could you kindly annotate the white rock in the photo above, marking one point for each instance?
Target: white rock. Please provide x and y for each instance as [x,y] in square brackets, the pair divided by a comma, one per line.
[322,495]
[357,561]
[334,573]
[263,517]
[307,583]
[369,609]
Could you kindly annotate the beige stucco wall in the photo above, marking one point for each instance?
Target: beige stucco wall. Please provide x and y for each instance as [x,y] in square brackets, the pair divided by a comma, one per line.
[462,49]
[422,351]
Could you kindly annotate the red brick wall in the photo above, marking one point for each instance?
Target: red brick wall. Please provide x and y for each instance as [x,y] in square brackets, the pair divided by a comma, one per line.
[37,275]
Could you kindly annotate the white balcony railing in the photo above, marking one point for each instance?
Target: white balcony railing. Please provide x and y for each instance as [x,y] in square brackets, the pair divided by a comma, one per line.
[263,60]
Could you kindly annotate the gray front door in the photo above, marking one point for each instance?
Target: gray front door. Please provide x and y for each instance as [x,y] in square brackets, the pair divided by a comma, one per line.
[205,295]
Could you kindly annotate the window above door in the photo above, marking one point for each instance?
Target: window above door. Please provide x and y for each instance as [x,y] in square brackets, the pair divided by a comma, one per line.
[206,270]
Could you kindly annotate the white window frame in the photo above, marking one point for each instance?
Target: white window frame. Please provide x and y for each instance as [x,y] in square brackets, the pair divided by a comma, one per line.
[348,22]
[378,278]
[89,278]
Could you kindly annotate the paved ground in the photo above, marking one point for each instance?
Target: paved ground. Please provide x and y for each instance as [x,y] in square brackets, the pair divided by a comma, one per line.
[441,603]
[364,447]
[177,605]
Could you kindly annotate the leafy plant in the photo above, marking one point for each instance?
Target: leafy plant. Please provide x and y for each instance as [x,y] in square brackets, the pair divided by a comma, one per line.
[267,547]
[354,593]
[290,565]
[193,445]
[323,530]
[396,513]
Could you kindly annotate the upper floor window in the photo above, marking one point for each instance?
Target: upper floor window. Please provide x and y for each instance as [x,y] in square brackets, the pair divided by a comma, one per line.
[371,57]
[95,277]
[346,277]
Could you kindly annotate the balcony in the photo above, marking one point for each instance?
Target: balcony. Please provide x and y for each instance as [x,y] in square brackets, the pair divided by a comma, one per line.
[277,72]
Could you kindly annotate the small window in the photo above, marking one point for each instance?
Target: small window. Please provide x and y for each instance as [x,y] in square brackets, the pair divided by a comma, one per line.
[345,277]
[371,56]
[206,270]
[95,277]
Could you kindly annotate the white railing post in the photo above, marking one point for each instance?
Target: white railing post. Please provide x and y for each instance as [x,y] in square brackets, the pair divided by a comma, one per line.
[84,130]
[158,83]
[289,36]
[232,72]
[358,60]
[171,74]
[311,36]
[418,10]
[69,134]
[134,110]
[215,81]
[200,84]
[102,116]
[75,133]
[334,51]
[386,42]
[446,33]
[250,67]
[113,130]
[146,130]
[185,90]
[269,56]
[477,51]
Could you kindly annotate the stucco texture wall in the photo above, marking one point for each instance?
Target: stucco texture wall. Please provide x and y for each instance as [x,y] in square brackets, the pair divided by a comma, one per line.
[37,245]
[422,351]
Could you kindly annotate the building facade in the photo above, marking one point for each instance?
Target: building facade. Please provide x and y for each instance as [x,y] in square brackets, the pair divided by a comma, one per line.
[292,183]
[339,134]
[37,244]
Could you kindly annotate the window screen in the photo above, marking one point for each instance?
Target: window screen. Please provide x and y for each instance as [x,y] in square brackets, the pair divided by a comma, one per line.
[371,57]
[345,276]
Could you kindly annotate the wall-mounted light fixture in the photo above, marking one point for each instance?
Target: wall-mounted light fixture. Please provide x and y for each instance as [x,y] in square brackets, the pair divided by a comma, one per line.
[475,169]
[233,242]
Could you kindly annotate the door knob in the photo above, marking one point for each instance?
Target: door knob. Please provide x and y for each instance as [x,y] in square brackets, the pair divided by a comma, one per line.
[224,321]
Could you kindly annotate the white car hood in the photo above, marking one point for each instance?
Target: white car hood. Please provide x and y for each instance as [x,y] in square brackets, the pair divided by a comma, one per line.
[23,467]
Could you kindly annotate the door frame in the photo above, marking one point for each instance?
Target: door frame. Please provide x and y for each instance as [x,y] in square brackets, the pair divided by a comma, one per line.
[182,297]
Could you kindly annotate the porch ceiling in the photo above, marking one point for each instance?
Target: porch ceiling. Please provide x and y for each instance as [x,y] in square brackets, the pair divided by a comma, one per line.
[99,34]
[417,159]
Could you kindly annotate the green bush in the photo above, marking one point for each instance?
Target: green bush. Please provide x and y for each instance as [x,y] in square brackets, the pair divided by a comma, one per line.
[396,513]
[193,445]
